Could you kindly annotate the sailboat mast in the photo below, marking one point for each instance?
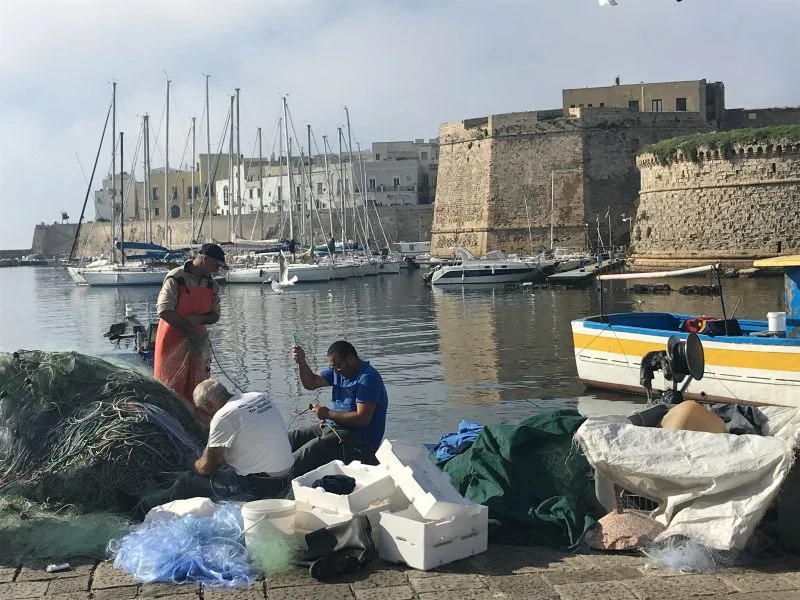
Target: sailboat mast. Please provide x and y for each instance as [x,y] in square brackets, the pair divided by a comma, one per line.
[230,176]
[328,182]
[261,184]
[208,168]
[288,165]
[343,220]
[166,177]
[352,177]
[121,198]
[113,167]
[238,165]
[194,158]
[311,206]
[145,177]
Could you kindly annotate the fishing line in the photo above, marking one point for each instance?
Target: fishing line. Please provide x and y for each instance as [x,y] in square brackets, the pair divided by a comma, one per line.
[229,378]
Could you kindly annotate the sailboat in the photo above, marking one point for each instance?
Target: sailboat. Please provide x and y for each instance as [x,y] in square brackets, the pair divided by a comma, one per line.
[111,272]
[305,272]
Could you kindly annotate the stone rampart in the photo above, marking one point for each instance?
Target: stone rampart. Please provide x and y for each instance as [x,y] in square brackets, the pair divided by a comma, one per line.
[732,204]
[503,178]
[400,223]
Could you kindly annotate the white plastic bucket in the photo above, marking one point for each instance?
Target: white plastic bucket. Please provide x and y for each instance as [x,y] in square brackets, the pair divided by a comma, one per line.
[263,518]
[776,321]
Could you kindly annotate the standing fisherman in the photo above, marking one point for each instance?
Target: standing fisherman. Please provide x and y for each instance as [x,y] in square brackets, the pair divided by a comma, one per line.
[188,301]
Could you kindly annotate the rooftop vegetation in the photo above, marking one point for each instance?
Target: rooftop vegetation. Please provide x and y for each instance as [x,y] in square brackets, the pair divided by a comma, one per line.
[724,141]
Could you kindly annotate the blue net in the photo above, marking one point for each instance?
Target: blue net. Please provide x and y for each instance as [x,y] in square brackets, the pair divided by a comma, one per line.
[187,549]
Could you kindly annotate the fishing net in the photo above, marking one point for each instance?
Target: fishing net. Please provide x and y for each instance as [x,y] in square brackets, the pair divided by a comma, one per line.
[81,431]
[33,533]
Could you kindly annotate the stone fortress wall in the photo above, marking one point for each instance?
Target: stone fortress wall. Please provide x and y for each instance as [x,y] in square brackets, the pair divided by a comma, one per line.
[409,223]
[733,205]
[503,177]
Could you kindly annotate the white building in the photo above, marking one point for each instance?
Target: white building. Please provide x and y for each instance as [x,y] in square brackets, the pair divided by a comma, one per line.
[104,197]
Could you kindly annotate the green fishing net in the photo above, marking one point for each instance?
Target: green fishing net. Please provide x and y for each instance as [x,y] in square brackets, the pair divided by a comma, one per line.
[77,430]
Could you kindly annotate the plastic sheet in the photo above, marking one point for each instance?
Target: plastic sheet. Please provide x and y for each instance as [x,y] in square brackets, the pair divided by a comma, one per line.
[187,549]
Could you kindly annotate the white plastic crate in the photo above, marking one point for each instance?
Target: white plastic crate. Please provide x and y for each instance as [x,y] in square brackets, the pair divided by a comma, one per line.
[427,487]
[374,485]
[408,538]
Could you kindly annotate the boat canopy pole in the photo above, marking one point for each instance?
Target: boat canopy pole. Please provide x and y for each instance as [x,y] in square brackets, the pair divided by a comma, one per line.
[657,275]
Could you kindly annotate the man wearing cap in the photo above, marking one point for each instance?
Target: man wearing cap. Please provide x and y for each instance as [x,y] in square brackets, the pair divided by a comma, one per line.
[188,301]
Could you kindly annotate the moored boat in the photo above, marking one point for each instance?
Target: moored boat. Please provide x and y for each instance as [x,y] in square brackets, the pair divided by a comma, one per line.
[495,267]
[747,361]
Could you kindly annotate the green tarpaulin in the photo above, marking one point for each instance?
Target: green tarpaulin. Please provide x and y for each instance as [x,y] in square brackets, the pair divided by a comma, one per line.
[537,484]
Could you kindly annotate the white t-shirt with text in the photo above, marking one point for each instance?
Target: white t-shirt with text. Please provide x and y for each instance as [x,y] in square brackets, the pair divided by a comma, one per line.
[251,430]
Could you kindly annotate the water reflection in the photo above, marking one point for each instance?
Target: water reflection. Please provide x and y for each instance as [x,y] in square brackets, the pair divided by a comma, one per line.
[490,355]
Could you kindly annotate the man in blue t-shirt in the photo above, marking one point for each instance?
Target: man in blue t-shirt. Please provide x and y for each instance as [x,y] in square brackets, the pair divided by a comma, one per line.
[352,429]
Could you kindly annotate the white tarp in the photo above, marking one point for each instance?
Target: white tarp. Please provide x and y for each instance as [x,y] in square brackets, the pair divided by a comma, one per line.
[711,487]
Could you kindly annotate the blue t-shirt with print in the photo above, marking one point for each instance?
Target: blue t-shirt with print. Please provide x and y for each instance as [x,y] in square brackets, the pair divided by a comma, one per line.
[364,386]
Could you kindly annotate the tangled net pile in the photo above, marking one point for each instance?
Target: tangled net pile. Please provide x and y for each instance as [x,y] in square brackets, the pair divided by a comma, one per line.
[79,430]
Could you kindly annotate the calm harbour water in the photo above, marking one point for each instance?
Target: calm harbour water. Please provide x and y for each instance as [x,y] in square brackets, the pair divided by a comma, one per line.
[489,355]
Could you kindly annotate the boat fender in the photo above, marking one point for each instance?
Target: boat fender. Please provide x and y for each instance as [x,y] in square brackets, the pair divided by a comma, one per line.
[696,325]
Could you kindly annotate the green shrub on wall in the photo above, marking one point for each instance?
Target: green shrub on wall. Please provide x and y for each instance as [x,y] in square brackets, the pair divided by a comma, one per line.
[724,141]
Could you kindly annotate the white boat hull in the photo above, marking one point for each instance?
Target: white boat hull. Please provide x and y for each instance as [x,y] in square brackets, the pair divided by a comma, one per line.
[305,273]
[738,369]
[461,275]
[114,277]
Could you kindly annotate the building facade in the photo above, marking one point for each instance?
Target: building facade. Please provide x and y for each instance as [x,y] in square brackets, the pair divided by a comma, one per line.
[698,96]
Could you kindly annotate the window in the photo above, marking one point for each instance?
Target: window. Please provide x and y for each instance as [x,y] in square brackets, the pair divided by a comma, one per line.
[175,211]
[751,116]
[634,144]
[656,105]
[424,179]
[280,193]
[377,157]
[396,182]
[155,211]
[319,188]
[174,193]
[633,105]
[346,186]
[225,196]
[589,105]
[423,155]
[580,105]
[258,193]
[372,183]
[297,191]
[680,104]
[572,106]
[155,193]
[189,192]
[602,104]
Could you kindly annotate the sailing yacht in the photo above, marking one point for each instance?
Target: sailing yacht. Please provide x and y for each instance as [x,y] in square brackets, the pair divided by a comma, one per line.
[495,267]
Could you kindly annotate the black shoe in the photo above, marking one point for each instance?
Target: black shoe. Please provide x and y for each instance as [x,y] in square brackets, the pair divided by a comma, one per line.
[332,565]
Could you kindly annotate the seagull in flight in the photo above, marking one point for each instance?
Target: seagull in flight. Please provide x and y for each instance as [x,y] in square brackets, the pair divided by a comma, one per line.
[283,276]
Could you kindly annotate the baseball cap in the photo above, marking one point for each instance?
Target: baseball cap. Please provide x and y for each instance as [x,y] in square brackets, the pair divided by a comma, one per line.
[215,252]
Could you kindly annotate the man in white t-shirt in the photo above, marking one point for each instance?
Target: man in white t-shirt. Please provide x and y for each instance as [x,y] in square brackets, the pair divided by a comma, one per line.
[248,456]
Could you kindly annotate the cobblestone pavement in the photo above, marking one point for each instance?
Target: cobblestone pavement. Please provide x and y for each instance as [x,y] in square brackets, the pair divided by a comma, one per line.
[502,572]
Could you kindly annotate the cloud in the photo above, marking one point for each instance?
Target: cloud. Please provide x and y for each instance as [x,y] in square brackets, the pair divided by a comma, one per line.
[402,67]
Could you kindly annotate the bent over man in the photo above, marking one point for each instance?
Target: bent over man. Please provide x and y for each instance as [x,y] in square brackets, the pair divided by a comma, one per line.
[352,429]
[247,456]
[188,301]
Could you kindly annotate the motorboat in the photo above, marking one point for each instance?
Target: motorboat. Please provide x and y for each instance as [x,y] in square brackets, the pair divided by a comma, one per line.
[746,361]
[495,267]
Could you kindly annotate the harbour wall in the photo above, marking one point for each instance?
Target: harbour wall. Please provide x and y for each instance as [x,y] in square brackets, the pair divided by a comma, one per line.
[731,205]
[502,178]
[410,223]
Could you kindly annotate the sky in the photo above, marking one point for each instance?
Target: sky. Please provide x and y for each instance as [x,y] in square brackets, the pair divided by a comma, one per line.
[402,67]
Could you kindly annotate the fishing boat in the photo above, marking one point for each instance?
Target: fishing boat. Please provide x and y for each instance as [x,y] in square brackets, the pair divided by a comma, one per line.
[746,361]
[495,267]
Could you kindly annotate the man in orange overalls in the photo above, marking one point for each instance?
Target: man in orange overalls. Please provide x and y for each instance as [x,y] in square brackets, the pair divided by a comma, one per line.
[188,301]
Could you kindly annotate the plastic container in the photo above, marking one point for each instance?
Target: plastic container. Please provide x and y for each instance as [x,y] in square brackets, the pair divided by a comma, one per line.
[423,544]
[373,486]
[776,321]
[266,518]
[428,489]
